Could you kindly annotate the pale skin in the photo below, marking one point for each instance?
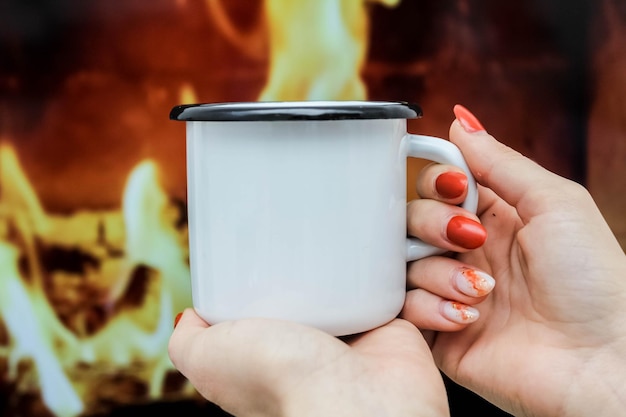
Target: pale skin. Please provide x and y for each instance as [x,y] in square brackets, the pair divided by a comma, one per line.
[550,339]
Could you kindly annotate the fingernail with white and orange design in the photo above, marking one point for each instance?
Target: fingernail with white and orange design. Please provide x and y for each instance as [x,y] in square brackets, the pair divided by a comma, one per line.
[458,312]
[474,283]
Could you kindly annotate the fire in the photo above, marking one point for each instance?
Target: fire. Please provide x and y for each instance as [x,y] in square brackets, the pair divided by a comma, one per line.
[95,291]
[31,338]
[96,323]
[317,48]
[187,94]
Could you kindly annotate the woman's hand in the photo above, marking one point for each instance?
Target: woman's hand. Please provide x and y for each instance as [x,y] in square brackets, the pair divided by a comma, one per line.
[551,339]
[274,368]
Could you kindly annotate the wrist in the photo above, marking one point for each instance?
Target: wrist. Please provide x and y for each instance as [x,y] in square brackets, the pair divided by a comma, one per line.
[348,403]
[599,385]
[350,397]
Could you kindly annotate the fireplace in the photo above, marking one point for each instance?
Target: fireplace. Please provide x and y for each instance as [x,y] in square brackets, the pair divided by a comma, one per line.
[93,239]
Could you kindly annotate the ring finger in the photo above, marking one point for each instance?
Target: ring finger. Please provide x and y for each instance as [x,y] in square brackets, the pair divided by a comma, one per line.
[445,226]
[449,279]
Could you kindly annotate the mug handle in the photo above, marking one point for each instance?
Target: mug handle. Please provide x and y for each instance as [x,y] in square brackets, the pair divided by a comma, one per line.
[444,152]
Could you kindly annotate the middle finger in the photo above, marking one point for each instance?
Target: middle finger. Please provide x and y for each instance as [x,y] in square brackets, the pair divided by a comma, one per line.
[443,225]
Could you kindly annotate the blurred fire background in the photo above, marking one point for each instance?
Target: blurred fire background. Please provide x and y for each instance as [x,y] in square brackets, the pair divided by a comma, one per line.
[93,262]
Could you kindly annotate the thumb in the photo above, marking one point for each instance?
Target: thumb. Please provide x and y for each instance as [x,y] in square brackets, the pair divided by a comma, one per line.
[226,363]
[188,327]
[519,181]
[245,365]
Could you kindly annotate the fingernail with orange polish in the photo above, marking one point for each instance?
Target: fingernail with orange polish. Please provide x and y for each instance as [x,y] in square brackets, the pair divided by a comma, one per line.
[459,313]
[469,122]
[451,184]
[177,319]
[474,283]
[465,232]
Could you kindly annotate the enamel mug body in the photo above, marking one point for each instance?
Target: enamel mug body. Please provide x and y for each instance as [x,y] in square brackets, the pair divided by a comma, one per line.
[297,210]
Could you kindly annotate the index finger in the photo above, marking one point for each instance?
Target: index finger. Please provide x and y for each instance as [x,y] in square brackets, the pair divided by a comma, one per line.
[518,180]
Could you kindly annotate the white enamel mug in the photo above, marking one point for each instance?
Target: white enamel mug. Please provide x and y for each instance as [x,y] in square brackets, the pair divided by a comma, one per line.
[297,210]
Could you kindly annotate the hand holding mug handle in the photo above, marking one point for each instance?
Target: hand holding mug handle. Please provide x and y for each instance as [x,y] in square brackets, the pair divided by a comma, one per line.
[438,150]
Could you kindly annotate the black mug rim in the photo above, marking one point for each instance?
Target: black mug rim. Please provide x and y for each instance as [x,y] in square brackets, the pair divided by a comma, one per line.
[296,110]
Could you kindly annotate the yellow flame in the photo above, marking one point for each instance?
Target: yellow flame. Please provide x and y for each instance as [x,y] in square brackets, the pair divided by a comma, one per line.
[187,94]
[132,335]
[30,338]
[317,49]
[151,238]
[17,192]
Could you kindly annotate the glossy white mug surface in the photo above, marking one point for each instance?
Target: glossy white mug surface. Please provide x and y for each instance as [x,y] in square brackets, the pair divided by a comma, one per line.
[297,210]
